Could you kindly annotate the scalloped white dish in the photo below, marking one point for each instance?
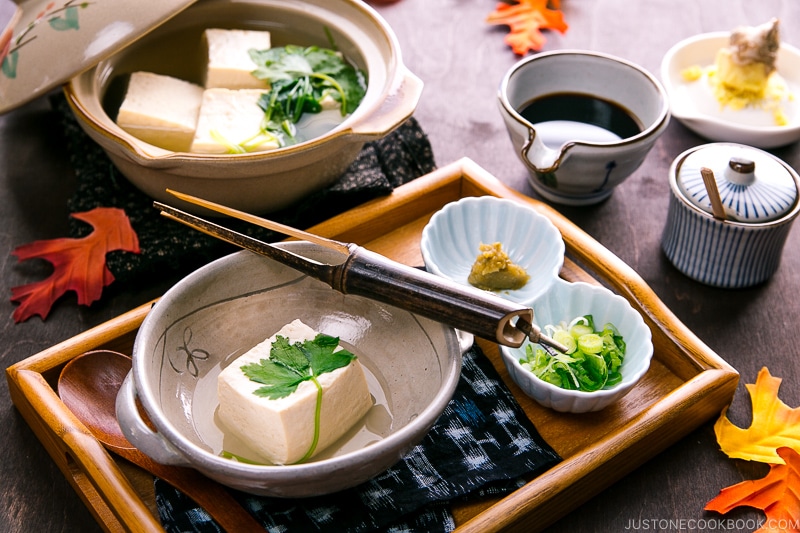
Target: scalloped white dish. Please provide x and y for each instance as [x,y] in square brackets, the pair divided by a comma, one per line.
[563,302]
[451,242]
[694,105]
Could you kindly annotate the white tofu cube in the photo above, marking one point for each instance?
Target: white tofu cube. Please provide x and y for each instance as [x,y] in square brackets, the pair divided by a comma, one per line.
[282,430]
[229,64]
[161,110]
[230,121]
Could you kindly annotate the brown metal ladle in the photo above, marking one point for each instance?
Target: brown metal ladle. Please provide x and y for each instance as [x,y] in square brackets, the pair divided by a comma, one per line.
[88,386]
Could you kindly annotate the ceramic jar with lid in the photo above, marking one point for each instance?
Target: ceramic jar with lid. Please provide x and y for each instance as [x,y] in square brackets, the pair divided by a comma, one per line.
[759,193]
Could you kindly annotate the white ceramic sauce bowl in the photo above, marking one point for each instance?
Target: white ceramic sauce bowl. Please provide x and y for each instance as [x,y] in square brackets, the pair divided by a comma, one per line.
[586,166]
[256,182]
[226,307]
[563,302]
[451,239]
[694,105]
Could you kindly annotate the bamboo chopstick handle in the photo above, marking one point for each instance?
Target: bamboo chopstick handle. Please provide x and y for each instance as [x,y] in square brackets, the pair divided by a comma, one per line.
[478,312]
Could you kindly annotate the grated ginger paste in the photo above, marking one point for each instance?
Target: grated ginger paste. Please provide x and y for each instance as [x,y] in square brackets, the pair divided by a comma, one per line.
[494,271]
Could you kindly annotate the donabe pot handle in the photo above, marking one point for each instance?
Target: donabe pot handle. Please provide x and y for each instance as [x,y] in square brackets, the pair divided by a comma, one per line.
[395,109]
[138,432]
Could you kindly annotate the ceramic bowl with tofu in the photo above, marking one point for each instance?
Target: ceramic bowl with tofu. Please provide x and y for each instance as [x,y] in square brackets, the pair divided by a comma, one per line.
[199,349]
[179,108]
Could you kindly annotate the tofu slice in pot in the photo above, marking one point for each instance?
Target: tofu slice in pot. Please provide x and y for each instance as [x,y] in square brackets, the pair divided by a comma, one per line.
[161,110]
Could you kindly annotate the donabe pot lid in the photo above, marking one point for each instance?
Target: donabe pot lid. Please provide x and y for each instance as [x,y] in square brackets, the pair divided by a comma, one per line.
[754,185]
[44,43]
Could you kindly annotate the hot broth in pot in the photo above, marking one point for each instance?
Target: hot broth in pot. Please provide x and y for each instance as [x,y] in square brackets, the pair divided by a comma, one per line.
[179,52]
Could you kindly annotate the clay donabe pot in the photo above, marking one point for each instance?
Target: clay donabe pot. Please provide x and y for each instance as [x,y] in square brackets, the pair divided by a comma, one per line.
[256,182]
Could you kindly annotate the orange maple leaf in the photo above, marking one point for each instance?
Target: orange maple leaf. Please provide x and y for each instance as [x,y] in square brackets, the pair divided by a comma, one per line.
[776,494]
[525,20]
[78,264]
[774,425]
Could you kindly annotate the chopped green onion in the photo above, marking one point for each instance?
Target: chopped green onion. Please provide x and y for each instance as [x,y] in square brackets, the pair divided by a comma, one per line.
[592,361]
[590,343]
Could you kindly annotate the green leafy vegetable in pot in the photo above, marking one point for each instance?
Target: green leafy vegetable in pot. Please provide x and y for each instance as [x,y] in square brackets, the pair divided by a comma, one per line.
[304,80]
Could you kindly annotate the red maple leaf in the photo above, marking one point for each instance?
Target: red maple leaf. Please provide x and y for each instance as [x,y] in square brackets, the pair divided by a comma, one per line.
[525,20]
[78,264]
[776,494]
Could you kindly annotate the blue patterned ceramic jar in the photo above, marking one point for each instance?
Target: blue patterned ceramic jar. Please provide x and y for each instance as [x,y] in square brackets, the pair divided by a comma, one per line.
[759,193]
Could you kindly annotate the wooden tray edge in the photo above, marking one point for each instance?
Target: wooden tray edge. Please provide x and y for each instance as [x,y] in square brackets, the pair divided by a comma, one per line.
[714,381]
[88,467]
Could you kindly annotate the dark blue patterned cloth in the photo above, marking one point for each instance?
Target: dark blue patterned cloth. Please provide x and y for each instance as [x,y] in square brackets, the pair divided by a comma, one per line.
[482,444]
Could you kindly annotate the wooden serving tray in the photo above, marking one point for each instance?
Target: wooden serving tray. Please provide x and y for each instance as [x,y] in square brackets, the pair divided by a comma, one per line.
[686,384]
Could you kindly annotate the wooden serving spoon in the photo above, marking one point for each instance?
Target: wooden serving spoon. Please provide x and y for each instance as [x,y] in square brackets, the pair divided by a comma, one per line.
[88,386]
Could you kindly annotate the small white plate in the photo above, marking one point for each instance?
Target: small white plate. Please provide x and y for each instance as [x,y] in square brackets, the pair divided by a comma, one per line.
[694,105]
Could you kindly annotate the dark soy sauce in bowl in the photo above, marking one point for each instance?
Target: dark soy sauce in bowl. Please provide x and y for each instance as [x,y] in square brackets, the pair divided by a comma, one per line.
[563,117]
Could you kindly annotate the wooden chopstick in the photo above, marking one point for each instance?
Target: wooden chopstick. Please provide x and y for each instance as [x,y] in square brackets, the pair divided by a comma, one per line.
[710,182]
[262,222]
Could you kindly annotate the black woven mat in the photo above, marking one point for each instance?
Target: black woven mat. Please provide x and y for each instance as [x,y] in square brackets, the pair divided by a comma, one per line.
[382,165]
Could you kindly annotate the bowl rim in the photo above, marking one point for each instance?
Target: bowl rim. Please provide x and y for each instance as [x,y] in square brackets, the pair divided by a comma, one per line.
[196,455]
[653,129]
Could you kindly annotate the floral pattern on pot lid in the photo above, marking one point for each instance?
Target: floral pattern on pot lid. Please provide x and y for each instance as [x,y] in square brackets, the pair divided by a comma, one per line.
[754,185]
[43,43]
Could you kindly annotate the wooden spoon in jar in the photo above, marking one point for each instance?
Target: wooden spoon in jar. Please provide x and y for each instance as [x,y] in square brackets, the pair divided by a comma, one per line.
[88,386]
[717,209]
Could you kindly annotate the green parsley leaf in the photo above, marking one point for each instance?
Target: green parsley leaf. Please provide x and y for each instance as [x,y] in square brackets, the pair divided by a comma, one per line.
[290,364]
[278,381]
[322,356]
[289,355]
